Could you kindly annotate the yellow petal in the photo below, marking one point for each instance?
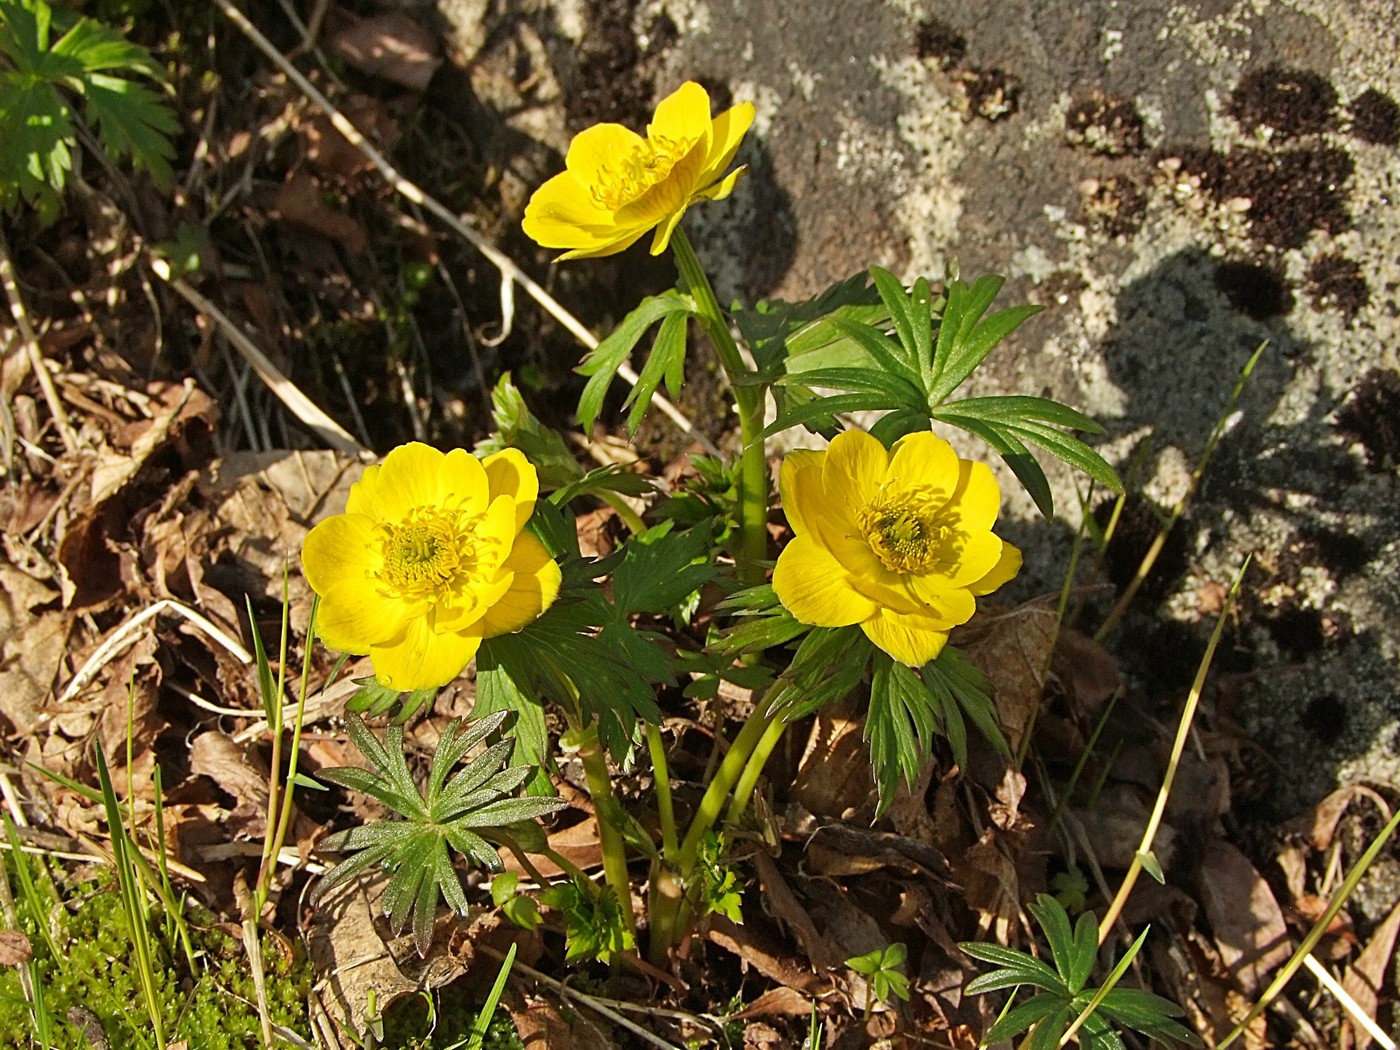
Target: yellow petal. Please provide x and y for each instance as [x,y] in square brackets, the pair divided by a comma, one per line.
[663,200]
[664,231]
[907,639]
[975,503]
[813,586]
[621,241]
[593,149]
[411,476]
[724,187]
[683,114]
[563,214]
[495,535]
[355,615]
[925,460]
[339,549]
[968,558]
[361,498]
[728,132]
[1007,566]
[854,470]
[947,604]
[464,482]
[534,586]
[800,483]
[463,610]
[420,658]
[511,474]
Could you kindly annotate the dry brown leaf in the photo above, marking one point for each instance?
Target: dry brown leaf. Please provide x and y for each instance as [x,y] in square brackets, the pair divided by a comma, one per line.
[15,949]
[1246,921]
[991,886]
[1364,977]
[175,407]
[1089,672]
[238,772]
[332,154]
[578,843]
[1012,649]
[301,202]
[349,958]
[761,951]
[392,46]
[780,1001]
[833,775]
[784,906]
[1115,826]
[1321,823]
[32,646]
[542,1026]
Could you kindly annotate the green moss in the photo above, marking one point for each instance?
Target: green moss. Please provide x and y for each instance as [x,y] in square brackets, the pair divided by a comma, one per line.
[444,1023]
[212,1008]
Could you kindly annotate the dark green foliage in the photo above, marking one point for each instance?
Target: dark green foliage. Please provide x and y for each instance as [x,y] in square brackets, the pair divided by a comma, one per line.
[461,812]
[1062,995]
[910,371]
[666,361]
[48,57]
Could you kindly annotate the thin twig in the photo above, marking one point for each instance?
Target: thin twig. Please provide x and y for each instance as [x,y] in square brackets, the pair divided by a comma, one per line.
[130,630]
[331,432]
[583,999]
[31,347]
[509,270]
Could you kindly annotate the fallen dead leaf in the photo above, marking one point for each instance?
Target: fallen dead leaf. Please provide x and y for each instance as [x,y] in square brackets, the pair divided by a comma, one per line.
[15,949]
[780,1001]
[1012,648]
[1321,823]
[1088,670]
[763,952]
[1365,977]
[300,202]
[784,906]
[32,645]
[392,46]
[238,773]
[833,775]
[1244,917]
[541,1025]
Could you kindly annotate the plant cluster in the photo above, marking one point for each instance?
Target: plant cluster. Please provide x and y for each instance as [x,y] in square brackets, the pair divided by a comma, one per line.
[440,560]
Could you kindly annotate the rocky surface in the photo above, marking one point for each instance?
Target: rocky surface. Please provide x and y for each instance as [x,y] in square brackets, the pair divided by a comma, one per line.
[1177,182]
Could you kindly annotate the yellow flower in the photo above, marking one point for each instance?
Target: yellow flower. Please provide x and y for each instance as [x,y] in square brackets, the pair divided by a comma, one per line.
[428,559]
[617,185]
[897,541]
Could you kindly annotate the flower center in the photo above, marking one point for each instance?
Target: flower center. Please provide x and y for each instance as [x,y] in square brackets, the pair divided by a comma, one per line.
[623,181]
[903,531]
[427,552]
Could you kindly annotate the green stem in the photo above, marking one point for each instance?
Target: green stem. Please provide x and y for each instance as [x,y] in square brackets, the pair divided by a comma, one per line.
[743,790]
[595,771]
[726,776]
[662,777]
[749,401]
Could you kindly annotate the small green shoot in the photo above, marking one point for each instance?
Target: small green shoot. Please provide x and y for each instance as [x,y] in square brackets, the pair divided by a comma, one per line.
[594,926]
[1062,999]
[881,968]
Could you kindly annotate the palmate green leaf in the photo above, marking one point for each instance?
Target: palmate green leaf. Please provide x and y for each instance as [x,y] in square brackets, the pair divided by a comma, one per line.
[37,135]
[452,810]
[1048,1032]
[602,363]
[965,338]
[961,689]
[897,360]
[1019,1018]
[660,568]
[1074,950]
[1015,965]
[896,388]
[820,412]
[36,144]
[497,691]
[1149,1014]
[828,665]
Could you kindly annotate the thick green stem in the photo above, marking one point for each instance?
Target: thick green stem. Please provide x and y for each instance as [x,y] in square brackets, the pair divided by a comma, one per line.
[726,776]
[595,771]
[748,400]
[743,790]
[662,778]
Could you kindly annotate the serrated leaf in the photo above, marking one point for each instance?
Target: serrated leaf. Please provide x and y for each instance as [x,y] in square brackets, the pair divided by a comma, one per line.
[899,727]
[602,362]
[896,360]
[133,121]
[518,427]
[496,690]
[826,407]
[666,361]
[660,567]
[828,665]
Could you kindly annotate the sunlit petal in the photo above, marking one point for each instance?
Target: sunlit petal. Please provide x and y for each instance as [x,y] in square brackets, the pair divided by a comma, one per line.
[814,588]
[908,639]
[423,659]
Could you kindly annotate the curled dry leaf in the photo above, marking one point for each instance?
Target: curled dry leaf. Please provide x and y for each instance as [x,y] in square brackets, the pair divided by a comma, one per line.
[1244,917]
[1088,671]
[301,202]
[32,644]
[833,776]
[1012,648]
[392,46]
[1364,978]
[15,949]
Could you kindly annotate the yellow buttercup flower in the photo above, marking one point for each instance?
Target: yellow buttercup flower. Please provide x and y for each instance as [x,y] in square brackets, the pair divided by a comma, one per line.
[899,541]
[617,185]
[429,558]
